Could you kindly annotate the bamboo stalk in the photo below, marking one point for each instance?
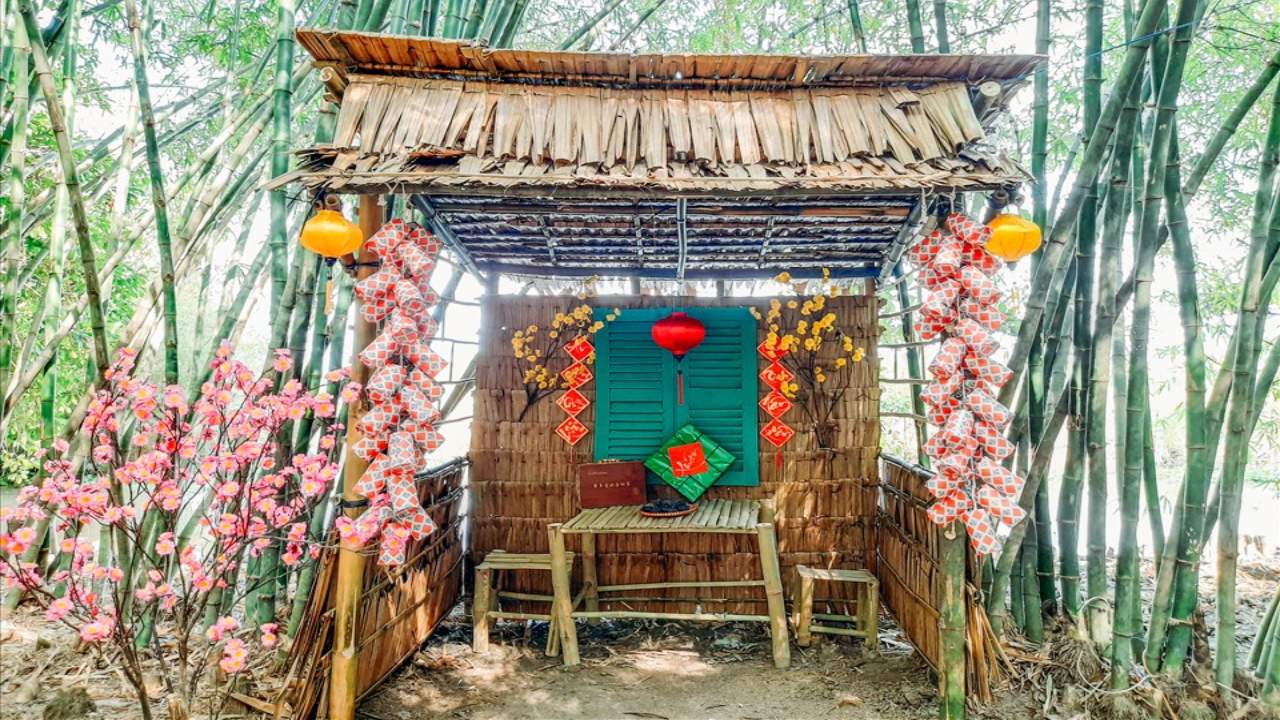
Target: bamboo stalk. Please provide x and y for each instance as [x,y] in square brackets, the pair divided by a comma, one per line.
[57,123]
[940,24]
[158,197]
[951,624]
[11,242]
[648,13]
[1128,623]
[1236,451]
[915,27]
[589,25]
[1090,164]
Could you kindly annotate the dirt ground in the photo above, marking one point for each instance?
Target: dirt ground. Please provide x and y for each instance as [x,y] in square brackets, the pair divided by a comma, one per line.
[659,671]
[632,670]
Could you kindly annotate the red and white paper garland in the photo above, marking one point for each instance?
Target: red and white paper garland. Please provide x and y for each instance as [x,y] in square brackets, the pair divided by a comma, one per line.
[399,428]
[775,403]
[971,485]
[572,401]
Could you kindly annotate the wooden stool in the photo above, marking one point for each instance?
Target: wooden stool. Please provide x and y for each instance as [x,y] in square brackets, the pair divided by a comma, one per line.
[864,625]
[485,606]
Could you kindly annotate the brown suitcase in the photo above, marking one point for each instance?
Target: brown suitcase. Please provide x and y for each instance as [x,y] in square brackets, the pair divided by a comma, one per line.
[605,484]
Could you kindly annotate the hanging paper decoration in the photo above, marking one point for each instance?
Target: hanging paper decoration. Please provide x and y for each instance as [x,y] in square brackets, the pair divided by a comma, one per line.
[572,401]
[967,446]
[775,404]
[399,427]
[678,333]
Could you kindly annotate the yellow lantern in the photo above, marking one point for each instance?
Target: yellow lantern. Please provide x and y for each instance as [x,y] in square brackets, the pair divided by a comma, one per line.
[1012,237]
[329,234]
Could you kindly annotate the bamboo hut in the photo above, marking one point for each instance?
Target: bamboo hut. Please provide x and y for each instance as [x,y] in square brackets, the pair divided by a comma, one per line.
[674,168]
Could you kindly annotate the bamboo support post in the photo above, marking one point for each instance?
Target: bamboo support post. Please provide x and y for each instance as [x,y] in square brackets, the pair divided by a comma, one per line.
[590,585]
[803,600]
[951,624]
[561,606]
[344,669]
[480,610]
[773,591]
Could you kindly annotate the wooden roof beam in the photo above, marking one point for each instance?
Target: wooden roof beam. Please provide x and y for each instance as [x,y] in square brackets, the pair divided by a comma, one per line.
[446,234]
[652,273]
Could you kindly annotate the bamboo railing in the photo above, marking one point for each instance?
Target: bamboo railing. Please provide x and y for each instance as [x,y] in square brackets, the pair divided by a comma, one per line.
[944,621]
[398,608]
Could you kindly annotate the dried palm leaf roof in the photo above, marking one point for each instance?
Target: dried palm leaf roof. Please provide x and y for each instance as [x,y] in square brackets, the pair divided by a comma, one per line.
[563,163]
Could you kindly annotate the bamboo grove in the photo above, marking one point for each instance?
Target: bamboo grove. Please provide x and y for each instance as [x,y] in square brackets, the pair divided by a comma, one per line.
[96,254]
[1083,386]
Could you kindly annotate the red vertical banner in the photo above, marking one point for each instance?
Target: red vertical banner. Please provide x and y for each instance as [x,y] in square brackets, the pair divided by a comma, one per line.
[572,401]
[775,403]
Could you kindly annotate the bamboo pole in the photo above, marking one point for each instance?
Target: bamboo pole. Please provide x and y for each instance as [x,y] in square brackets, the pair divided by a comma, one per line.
[1090,164]
[940,24]
[1128,623]
[158,196]
[79,216]
[773,593]
[1236,451]
[915,27]
[951,624]
[344,670]
[11,243]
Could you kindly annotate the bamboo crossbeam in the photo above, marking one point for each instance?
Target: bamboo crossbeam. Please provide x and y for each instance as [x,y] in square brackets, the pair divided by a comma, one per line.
[904,345]
[904,381]
[827,629]
[510,615]
[689,584]
[690,617]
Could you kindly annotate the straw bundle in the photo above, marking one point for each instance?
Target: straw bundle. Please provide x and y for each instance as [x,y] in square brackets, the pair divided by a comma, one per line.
[523,476]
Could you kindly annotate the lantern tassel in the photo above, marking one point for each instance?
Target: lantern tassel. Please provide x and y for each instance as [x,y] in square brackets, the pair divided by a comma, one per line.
[777,458]
[679,384]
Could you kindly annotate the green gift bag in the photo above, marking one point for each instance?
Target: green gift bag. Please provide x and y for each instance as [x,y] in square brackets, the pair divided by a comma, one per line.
[690,462]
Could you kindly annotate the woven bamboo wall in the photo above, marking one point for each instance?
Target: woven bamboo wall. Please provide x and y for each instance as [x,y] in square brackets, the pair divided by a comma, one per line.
[907,552]
[523,476]
[398,610]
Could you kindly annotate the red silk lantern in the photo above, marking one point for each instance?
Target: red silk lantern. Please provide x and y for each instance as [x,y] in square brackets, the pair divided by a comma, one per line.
[678,333]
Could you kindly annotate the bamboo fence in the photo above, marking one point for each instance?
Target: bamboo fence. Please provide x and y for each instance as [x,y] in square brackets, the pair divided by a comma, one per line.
[524,477]
[399,608]
[908,564]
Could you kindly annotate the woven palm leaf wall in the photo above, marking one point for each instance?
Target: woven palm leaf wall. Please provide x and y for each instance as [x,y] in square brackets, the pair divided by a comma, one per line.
[523,476]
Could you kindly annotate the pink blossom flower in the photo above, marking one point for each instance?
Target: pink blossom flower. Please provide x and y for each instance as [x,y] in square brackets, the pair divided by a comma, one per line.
[58,609]
[164,544]
[99,629]
[283,361]
[269,637]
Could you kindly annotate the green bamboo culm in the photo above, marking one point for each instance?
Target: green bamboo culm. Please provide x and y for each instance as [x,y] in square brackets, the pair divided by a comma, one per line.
[1189,514]
[281,137]
[1086,236]
[1236,451]
[51,308]
[951,623]
[855,22]
[915,26]
[940,25]
[1100,137]
[12,243]
[1128,623]
[79,216]
[169,303]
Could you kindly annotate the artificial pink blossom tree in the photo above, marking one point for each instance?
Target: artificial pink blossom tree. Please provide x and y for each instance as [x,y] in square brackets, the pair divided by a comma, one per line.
[183,494]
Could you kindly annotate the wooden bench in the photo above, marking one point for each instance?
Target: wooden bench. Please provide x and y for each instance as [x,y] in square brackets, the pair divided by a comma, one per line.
[486,606]
[864,625]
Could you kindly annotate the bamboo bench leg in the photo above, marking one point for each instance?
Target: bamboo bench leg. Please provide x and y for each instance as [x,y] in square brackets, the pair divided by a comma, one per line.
[589,582]
[773,593]
[804,610]
[562,604]
[871,616]
[480,612]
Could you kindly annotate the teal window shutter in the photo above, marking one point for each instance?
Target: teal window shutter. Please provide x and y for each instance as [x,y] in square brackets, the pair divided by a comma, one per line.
[636,408]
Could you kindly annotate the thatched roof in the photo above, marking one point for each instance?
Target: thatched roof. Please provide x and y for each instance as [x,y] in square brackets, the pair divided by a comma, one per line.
[785,155]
